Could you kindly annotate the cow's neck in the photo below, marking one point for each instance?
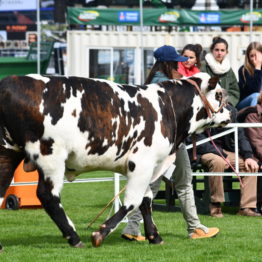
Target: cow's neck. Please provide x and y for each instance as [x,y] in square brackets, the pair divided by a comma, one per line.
[182,97]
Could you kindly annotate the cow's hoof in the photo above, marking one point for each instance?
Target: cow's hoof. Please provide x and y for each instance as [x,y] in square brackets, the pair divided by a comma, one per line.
[79,245]
[96,239]
[157,240]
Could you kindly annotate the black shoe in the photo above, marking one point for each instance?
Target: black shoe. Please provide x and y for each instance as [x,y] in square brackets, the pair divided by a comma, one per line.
[259,211]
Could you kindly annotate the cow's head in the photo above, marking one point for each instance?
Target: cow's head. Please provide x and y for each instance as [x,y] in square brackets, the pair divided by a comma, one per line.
[212,112]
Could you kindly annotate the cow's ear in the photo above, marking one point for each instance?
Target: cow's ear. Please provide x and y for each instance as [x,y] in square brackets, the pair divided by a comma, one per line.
[212,82]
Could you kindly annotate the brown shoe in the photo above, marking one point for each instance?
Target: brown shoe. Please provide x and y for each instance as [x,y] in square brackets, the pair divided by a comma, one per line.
[215,211]
[200,233]
[248,212]
[133,237]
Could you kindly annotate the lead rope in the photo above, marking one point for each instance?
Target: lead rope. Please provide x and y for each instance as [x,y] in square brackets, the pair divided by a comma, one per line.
[220,153]
[107,205]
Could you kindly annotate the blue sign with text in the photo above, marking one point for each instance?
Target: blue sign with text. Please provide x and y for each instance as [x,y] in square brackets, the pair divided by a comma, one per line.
[209,18]
[128,16]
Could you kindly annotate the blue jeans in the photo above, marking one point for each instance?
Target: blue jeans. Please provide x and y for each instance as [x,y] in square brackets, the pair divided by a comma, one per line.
[250,100]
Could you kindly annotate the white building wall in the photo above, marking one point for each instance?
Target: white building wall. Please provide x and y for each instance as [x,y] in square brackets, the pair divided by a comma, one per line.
[80,41]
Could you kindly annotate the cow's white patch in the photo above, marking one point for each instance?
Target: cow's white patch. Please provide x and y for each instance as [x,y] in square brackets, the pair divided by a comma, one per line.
[1,201]
[50,164]
[105,142]
[39,77]
[196,125]
[68,219]
[57,181]
[71,223]
[7,141]
[205,78]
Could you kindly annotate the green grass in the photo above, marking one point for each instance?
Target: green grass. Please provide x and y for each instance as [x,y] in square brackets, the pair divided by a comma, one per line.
[30,235]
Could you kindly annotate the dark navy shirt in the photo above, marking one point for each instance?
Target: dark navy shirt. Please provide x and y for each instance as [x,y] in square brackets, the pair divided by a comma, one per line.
[249,84]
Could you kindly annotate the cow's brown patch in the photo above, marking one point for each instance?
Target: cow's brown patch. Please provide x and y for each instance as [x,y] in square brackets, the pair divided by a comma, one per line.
[202,114]
[135,150]
[74,113]
[149,114]
[168,121]
[46,146]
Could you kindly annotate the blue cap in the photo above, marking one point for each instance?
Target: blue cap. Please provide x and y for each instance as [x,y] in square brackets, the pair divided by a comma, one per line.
[167,53]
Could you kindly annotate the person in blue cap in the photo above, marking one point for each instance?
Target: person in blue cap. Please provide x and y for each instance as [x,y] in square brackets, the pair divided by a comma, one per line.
[165,68]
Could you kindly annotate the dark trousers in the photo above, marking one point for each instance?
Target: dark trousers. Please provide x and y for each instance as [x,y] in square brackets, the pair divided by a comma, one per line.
[259,193]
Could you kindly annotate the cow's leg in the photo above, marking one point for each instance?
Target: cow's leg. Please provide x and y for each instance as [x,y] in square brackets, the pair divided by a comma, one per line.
[9,160]
[48,192]
[137,184]
[151,232]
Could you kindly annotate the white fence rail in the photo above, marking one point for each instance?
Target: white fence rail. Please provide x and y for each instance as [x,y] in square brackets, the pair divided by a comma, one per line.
[233,128]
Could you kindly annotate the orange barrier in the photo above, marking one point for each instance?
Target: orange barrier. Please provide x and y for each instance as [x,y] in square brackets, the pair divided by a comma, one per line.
[22,195]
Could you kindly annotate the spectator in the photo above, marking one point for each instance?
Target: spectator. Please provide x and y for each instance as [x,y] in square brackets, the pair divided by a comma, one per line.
[217,64]
[210,158]
[253,114]
[192,65]
[166,68]
[32,37]
[250,76]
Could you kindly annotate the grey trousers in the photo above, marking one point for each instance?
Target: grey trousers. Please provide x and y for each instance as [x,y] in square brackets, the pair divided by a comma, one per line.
[183,185]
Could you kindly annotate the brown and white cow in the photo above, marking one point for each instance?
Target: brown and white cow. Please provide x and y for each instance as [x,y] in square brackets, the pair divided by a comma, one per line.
[76,124]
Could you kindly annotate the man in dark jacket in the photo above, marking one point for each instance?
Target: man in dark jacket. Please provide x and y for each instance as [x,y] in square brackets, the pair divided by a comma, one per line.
[253,114]
[210,158]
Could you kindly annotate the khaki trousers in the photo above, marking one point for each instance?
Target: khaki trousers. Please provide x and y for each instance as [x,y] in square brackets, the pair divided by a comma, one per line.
[215,163]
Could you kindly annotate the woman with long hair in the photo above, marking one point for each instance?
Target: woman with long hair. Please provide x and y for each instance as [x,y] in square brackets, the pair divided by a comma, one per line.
[250,76]
[217,64]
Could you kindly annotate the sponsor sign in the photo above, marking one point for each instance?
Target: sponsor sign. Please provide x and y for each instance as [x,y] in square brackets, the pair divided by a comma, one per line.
[209,18]
[128,16]
[87,16]
[254,16]
[169,17]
